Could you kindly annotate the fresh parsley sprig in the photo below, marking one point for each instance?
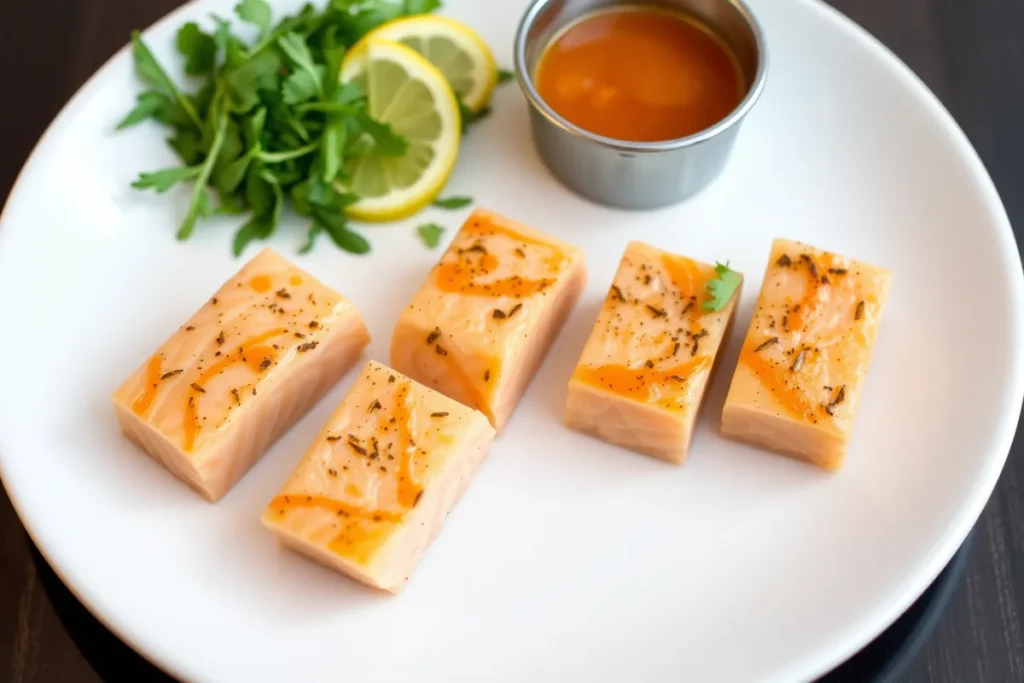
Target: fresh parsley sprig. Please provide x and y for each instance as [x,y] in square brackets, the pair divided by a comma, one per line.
[431,234]
[452,203]
[722,287]
[268,124]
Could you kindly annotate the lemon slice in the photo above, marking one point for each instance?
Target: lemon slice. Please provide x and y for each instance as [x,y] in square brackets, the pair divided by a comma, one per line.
[454,48]
[409,94]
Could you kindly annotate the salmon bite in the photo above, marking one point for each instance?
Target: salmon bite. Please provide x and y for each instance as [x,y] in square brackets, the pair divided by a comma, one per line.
[642,375]
[479,327]
[801,373]
[258,354]
[375,486]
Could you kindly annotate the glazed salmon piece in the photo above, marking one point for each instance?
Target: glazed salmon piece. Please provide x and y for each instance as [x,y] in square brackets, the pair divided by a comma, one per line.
[802,369]
[642,374]
[240,372]
[373,490]
[480,325]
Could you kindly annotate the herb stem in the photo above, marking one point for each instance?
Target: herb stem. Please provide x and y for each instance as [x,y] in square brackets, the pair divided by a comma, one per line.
[327,108]
[204,176]
[279,157]
[189,109]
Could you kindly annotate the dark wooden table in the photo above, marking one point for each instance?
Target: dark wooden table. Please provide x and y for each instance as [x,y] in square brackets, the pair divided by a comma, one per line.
[970,52]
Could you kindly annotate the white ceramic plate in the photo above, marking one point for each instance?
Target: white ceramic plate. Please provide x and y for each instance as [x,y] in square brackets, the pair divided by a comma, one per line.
[568,559]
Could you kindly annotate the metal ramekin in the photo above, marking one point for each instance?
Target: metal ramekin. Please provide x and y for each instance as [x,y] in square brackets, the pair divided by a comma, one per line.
[636,175]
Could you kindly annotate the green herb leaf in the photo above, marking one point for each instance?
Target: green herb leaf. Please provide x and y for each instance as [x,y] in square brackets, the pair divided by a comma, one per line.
[262,225]
[410,7]
[147,104]
[255,12]
[198,48]
[200,195]
[314,231]
[231,176]
[221,34]
[258,192]
[230,204]
[294,46]
[233,49]
[257,227]
[204,205]
[332,221]
[333,148]
[243,83]
[233,147]
[299,194]
[188,143]
[333,52]
[150,71]
[286,121]
[252,127]
[469,117]
[301,86]
[504,76]
[452,203]
[346,239]
[163,180]
[386,142]
[431,234]
[349,93]
[173,115]
[201,100]
[328,202]
[721,288]
[362,16]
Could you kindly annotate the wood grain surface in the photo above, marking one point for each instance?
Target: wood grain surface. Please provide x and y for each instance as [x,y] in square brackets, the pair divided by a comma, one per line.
[970,52]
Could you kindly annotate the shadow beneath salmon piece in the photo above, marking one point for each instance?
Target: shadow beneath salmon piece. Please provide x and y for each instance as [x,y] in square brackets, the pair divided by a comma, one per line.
[140,482]
[381,313]
[550,386]
[283,582]
[726,361]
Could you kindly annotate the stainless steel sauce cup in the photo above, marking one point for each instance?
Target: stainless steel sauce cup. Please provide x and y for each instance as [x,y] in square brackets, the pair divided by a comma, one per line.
[636,175]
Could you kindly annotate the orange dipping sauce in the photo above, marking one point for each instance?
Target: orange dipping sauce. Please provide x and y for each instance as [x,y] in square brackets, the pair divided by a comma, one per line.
[641,74]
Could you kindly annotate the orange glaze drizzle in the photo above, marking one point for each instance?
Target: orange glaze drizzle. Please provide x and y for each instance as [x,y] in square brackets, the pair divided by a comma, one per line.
[153,373]
[453,277]
[460,275]
[647,385]
[256,356]
[489,227]
[249,352]
[260,283]
[478,390]
[690,280]
[685,274]
[817,294]
[773,377]
[408,489]
[353,540]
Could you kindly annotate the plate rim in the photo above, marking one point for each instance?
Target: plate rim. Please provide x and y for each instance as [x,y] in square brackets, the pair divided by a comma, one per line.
[969,511]
[811,665]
